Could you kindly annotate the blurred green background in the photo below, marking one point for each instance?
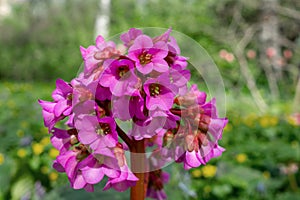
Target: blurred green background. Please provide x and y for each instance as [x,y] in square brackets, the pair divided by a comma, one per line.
[255,44]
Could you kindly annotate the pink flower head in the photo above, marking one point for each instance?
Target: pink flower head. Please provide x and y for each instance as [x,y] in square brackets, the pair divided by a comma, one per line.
[98,133]
[144,86]
[201,132]
[148,56]
[129,37]
[119,77]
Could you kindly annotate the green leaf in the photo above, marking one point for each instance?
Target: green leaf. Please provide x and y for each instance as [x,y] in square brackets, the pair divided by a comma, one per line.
[23,187]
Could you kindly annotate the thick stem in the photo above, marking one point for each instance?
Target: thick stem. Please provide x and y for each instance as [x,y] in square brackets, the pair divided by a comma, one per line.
[138,192]
[124,137]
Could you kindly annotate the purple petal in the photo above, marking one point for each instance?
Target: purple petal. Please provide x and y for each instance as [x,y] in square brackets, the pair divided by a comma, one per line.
[191,159]
[99,41]
[141,42]
[145,69]
[93,175]
[60,107]
[160,65]
[79,182]
[89,188]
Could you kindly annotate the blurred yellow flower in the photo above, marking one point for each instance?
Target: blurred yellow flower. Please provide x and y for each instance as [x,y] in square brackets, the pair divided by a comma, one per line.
[22,153]
[209,171]
[294,119]
[37,148]
[274,120]
[250,119]
[2,159]
[295,144]
[266,175]
[207,189]
[53,153]
[24,124]
[227,128]
[240,158]
[268,120]
[44,130]
[196,173]
[53,176]
[264,121]
[20,133]
[45,141]
[11,104]
[44,169]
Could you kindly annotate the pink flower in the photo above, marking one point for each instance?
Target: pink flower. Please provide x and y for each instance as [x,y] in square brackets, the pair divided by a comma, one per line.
[48,114]
[61,107]
[127,107]
[119,77]
[148,56]
[94,56]
[271,52]
[68,162]
[84,169]
[98,133]
[129,37]
[160,93]
[251,54]
[126,178]
[288,54]
[196,142]
[157,179]
[63,140]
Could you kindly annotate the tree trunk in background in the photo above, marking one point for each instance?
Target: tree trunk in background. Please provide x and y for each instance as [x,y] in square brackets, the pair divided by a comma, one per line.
[102,19]
[5,8]
[296,107]
[270,56]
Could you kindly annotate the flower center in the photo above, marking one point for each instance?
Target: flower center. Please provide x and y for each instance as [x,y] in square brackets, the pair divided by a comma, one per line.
[70,96]
[103,129]
[122,70]
[154,89]
[145,58]
[82,152]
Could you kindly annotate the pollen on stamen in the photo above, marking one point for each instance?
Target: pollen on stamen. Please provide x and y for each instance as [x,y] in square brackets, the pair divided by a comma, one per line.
[154,89]
[122,70]
[103,129]
[145,58]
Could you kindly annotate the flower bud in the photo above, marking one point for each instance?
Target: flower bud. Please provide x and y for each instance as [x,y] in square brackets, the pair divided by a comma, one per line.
[189,141]
[168,138]
[119,153]
[202,139]
[73,140]
[204,123]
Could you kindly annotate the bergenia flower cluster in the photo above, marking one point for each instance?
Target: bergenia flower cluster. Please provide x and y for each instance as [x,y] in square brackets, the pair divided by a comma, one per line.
[145,86]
